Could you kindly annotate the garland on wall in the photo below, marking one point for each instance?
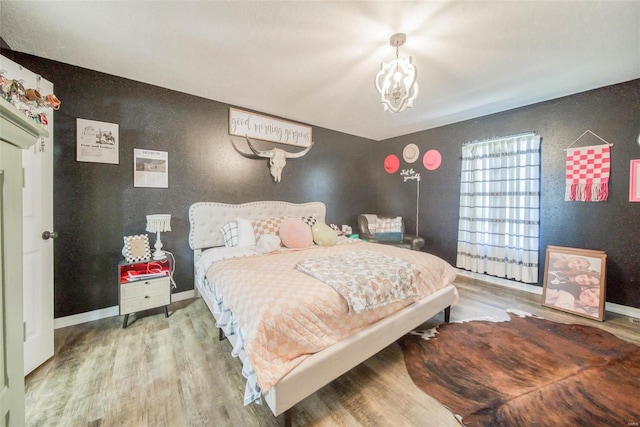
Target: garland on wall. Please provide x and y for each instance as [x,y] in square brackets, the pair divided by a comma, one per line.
[28,100]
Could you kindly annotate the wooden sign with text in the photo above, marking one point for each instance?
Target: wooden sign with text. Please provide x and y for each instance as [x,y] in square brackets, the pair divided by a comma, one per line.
[252,125]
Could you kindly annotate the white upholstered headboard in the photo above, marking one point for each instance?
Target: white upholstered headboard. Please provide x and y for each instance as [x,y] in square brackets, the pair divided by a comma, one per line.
[207,218]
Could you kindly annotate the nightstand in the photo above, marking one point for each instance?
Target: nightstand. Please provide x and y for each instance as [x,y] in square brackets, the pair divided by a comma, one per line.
[144,285]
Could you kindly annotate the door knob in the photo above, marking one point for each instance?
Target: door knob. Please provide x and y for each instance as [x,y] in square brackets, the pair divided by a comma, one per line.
[46,235]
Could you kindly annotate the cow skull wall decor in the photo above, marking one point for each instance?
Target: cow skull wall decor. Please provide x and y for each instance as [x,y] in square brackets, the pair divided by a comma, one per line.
[277,157]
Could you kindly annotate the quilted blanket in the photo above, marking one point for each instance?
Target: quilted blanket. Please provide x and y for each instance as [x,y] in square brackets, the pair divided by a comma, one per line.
[365,279]
[288,315]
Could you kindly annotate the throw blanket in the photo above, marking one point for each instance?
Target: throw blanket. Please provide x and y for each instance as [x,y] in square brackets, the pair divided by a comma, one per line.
[365,279]
[587,177]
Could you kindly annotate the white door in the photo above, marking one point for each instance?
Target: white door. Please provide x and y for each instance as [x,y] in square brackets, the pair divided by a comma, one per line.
[37,255]
[37,210]
[11,379]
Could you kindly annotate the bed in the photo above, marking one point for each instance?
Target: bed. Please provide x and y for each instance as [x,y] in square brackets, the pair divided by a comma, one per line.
[329,357]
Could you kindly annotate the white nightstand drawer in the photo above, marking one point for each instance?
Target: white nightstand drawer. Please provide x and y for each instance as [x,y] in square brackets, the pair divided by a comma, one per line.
[131,305]
[161,285]
[144,294]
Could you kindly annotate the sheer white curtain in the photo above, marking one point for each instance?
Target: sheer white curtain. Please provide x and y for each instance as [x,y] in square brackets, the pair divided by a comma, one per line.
[499,207]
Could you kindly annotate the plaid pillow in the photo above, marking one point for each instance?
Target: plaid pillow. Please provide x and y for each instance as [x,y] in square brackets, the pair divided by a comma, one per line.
[309,220]
[230,234]
[386,225]
[266,226]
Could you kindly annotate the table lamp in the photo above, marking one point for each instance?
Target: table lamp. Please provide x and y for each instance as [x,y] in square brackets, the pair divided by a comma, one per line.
[157,224]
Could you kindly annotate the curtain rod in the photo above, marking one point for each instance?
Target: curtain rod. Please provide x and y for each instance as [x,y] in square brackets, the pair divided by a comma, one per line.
[498,138]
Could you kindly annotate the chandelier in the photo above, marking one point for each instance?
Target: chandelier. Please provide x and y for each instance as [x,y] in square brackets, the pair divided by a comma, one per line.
[396,80]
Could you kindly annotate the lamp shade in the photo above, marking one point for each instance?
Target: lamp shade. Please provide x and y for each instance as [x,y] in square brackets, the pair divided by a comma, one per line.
[158,223]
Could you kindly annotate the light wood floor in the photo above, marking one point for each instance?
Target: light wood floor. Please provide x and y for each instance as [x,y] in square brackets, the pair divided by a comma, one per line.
[175,372]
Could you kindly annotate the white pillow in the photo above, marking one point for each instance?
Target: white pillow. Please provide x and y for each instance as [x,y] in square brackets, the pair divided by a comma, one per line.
[268,243]
[245,233]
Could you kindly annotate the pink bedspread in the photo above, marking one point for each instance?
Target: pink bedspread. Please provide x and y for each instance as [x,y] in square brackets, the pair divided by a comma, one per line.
[289,315]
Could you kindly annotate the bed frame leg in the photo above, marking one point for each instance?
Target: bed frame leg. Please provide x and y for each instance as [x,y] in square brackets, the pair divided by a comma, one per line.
[221,335]
[285,419]
[447,314]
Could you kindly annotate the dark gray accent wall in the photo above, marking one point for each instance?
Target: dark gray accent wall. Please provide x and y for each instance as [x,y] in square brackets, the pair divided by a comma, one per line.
[612,112]
[96,204]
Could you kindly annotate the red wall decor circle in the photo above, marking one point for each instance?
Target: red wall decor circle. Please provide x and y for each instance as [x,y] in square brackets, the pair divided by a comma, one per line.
[391,163]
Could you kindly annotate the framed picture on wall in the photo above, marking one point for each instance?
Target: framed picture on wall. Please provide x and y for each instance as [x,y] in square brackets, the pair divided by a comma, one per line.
[575,281]
[634,181]
[97,142]
[150,168]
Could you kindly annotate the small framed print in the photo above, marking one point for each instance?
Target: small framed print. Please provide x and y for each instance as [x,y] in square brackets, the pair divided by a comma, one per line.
[634,181]
[575,281]
[97,142]
[150,168]
[136,248]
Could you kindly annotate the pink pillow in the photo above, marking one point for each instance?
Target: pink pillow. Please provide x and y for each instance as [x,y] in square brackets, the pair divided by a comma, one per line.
[295,233]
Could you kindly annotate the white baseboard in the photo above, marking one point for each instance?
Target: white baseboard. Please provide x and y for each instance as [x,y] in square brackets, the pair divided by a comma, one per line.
[501,282]
[89,316]
[183,295]
[608,306]
[622,309]
[103,313]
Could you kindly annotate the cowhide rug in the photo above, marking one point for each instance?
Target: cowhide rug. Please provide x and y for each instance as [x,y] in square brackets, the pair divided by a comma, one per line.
[527,372]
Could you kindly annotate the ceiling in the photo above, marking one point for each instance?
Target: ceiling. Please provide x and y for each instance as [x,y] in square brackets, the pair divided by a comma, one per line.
[315,61]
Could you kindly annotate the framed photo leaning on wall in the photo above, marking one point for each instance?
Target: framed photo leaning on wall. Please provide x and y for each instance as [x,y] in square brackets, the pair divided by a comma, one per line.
[575,281]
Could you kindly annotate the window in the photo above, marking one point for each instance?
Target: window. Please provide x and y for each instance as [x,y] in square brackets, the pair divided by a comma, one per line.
[499,222]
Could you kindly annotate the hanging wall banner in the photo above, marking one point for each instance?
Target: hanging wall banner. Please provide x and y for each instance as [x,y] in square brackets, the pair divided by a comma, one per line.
[244,123]
[97,142]
[587,178]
